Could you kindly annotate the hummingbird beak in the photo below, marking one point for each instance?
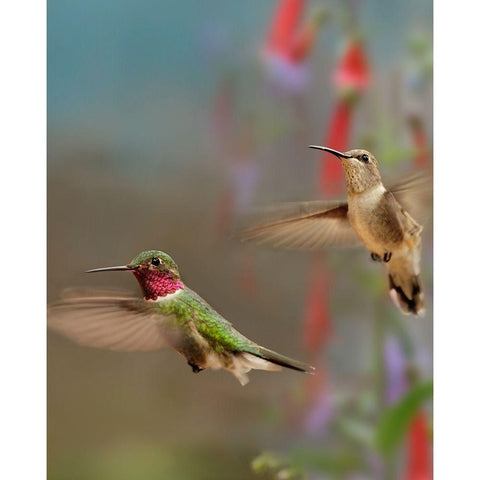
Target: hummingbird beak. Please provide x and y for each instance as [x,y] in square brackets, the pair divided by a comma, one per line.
[331,150]
[120,268]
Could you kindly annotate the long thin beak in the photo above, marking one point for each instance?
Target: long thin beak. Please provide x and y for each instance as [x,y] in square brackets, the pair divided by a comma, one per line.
[331,150]
[119,268]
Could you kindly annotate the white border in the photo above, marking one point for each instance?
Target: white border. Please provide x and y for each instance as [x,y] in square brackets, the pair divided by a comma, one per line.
[23,239]
[23,247]
[456,241]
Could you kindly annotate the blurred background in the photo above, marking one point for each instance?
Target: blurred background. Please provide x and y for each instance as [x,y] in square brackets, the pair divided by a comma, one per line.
[167,121]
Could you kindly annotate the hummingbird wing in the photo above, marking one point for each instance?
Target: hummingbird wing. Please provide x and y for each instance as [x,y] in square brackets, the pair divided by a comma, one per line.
[106,319]
[414,193]
[304,226]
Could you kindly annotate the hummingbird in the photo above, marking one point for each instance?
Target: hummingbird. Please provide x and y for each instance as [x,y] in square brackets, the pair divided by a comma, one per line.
[378,217]
[169,314]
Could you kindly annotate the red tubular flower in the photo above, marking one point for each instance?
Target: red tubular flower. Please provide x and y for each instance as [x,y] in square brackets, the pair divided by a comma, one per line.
[284,25]
[420,142]
[419,458]
[331,173]
[221,133]
[222,114]
[353,72]
[351,76]
[317,326]
[223,211]
[304,41]
[248,275]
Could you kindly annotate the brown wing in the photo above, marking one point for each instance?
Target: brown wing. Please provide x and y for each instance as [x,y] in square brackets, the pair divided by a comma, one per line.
[110,320]
[414,194]
[305,226]
[389,221]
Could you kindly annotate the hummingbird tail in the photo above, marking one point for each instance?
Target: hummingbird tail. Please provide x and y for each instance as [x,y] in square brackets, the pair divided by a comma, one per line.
[245,361]
[281,360]
[404,283]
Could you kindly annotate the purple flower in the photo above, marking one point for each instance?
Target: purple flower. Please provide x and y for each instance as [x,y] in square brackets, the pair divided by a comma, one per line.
[395,366]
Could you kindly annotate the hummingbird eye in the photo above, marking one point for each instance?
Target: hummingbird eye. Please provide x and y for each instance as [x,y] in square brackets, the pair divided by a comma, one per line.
[365,158]
[156,261]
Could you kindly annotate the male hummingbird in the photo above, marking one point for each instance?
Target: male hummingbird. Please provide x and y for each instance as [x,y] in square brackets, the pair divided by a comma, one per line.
[372,215]
[169,314]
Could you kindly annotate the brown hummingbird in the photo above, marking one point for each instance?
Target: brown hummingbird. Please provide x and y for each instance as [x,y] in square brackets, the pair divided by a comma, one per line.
[373,215]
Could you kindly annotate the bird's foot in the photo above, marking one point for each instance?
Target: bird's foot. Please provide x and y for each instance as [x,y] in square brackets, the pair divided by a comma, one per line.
[377,258]
[195,368]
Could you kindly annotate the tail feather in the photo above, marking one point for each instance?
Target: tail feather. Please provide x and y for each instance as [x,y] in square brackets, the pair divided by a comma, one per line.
[404,282]
[244,362]
[281,360]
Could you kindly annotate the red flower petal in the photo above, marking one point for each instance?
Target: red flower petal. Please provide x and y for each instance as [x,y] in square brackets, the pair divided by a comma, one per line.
[317,326]
[303,43]
[419,458]
[284,25]
[331,180]
[353,71]
[422,158]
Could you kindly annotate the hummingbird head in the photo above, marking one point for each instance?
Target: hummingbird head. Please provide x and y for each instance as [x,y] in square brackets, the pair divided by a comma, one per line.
[155,271]
[360,168]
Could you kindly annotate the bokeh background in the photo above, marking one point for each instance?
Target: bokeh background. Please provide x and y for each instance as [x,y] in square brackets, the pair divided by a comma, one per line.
[167,121]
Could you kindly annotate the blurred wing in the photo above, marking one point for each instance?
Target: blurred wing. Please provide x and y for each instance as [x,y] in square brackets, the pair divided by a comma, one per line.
[114,321]
[414,194]
[305,226]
